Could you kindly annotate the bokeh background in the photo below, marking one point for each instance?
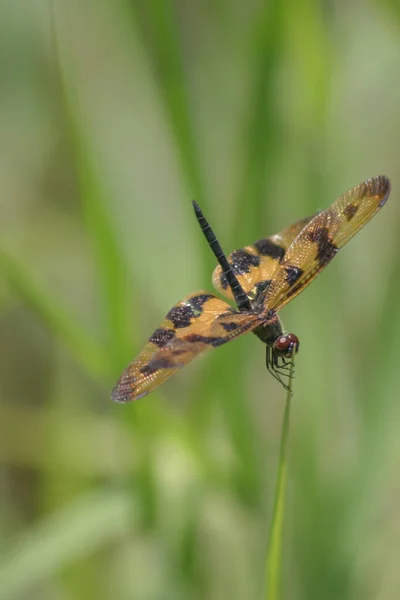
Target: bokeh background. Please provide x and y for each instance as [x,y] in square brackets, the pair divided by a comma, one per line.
[113,116]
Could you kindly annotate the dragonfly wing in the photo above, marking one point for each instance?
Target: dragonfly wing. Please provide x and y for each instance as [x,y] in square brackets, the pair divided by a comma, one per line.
[198,323]
[322,237]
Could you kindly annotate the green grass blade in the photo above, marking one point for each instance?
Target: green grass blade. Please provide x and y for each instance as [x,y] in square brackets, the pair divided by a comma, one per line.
[159,30]
[168,63]
[75,531]
[62,322]
[114,293]
[262,124]
[274,553]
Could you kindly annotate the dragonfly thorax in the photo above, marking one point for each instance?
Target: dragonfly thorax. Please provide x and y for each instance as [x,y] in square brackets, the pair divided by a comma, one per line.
[271,333]
[270,330]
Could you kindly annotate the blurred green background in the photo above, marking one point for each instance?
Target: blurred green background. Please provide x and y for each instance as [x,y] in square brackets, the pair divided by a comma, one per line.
[113,116]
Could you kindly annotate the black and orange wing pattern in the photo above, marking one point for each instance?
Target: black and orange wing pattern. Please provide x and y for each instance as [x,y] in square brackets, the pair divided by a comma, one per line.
[198,323]
[322,237]
[256,263]
[271,272]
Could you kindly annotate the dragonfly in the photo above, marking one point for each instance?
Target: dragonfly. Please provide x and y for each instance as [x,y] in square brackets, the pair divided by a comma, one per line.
[260,278]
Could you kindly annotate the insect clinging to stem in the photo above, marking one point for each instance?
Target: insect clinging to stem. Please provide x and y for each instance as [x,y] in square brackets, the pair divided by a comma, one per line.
[261,279]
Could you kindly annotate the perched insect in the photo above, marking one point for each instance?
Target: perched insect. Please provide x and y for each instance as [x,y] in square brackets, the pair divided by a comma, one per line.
[261,278]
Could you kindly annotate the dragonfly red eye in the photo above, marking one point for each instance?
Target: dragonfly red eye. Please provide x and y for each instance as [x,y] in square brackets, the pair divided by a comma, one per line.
[286,345]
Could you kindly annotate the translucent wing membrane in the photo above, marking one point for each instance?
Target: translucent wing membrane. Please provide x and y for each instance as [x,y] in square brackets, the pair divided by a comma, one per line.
[257,263]
[199,322]
[271,272]
[322,237]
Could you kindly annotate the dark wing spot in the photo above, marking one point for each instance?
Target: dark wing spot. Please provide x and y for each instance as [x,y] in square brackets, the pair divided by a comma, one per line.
[350,210]
[326,248]
[160,363]
[181,315]
[292,274]
[242,262]
[377,186]
[148,369]
[161,336]
[213,341]
[178,351]
[267,248]
[229,326]
[197,301]
[259,290]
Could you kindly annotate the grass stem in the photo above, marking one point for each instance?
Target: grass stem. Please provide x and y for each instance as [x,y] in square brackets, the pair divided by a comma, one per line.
[274,551]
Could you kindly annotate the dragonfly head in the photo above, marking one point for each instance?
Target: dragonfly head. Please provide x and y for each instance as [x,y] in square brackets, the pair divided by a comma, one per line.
[286,345]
